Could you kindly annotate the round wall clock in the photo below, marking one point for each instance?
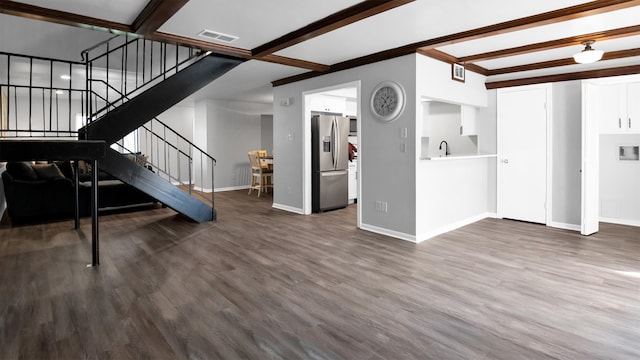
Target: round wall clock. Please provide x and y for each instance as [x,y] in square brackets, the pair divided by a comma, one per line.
[387,101]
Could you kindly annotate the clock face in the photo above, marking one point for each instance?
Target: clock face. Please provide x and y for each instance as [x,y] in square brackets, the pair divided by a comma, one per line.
[387,101]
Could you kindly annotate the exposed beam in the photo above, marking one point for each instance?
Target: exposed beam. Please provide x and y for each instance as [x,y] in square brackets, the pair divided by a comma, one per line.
[555,44]
[581,75]
[283,60]
[59,17]
[332,22]
[199,44]
[234,51]
[561,62]
[551,17]
[156,13]
[450,59]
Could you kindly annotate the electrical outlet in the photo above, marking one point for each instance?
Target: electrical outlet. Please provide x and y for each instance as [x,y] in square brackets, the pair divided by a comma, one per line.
[403,147]
[381,206]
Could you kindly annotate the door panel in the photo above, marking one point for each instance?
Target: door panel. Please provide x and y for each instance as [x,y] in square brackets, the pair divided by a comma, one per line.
[590,220]
[325,133]
[523,164]
[334,189]
[342,143]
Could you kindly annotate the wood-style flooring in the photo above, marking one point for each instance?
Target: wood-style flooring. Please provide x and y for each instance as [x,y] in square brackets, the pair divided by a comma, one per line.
[261,283]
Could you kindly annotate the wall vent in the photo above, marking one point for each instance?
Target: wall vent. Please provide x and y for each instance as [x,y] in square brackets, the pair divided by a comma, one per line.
[216,36]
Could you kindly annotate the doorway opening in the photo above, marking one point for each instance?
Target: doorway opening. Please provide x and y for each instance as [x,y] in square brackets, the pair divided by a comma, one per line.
[342,100]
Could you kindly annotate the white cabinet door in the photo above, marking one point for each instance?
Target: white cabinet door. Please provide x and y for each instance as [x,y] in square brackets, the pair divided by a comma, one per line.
[331,104]
[612,109]
[633,108]
[353,180]
[468,120]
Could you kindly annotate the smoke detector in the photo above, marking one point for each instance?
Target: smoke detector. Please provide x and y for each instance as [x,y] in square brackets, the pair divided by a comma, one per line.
[217,36]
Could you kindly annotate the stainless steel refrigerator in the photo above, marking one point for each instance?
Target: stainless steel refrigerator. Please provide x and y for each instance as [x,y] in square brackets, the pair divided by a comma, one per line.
[329,157]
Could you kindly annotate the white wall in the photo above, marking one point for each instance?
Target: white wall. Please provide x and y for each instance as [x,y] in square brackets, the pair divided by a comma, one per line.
[488,144]
[48,116]
[232,129]
[619,181]
[450,193]
[567,153]
[386,173]
[444,119]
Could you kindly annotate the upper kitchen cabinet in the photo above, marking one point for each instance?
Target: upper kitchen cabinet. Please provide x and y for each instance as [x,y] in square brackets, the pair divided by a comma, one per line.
[328,104]
[619,108]
[468,115]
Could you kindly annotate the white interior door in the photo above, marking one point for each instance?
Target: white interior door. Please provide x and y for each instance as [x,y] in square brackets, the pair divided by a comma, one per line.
[590,160]
[522,114]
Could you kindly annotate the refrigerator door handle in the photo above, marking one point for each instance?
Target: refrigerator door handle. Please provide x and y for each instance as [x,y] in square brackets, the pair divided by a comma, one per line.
[334,140]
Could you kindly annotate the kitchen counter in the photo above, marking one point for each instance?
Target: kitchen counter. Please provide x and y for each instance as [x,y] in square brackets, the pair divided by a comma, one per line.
[457,157]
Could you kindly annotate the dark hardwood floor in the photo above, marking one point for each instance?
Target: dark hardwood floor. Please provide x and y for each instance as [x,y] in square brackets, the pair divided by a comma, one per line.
[265,284]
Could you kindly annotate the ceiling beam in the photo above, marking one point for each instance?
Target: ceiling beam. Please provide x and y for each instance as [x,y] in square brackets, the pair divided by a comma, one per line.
[612,55]
[59,17]
[442,56]
[283,60]
[551,17]
[555,44]
[199,44]
[234,51]
[332,22]
[156,13]
[580,75]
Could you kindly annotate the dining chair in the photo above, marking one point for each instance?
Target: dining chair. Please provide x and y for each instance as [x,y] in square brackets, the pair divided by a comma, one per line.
[261,179]
[261,154]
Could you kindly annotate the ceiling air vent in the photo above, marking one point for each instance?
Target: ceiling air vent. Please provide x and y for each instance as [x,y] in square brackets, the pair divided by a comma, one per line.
[216,36]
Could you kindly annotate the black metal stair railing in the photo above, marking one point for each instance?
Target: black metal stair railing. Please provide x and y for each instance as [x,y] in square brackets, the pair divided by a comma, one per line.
[171,155]
[40,97]
[125,65]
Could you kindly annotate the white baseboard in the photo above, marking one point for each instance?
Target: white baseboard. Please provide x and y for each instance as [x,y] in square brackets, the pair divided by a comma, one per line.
[232,188]
[453,226]
[288,208]
[620,221]
[492,215]
[565,226]
[387,232]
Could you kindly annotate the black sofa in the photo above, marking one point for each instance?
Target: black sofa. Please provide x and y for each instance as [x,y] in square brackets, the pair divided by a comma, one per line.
[44,192]
[33,196]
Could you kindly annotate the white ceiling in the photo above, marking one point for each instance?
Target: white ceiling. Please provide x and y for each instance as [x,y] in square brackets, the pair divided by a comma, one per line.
[257,22]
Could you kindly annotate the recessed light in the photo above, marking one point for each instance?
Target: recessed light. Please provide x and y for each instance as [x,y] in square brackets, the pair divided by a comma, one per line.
[59,92]
[65,77]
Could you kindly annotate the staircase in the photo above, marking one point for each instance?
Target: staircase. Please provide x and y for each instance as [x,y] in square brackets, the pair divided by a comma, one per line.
[129,85]
[128,82]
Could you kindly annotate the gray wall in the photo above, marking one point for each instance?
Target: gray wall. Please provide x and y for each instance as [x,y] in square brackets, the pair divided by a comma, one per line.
[387,174]
[567,152]
[232,129]
[266,133]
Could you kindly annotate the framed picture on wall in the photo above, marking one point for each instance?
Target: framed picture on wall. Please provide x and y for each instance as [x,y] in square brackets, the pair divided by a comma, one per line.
[629,153]
[457,72]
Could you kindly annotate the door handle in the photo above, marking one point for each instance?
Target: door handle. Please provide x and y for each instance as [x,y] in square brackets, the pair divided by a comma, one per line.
[629,123]
[506,161]
[619,123]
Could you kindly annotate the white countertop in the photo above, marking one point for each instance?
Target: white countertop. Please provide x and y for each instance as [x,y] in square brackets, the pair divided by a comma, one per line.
[457,157]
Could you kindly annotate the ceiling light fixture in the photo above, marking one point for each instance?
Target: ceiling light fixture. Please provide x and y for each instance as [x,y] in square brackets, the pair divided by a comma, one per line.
[65,77]
[588,55]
